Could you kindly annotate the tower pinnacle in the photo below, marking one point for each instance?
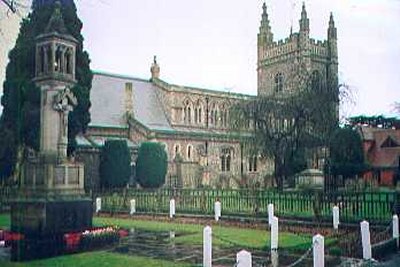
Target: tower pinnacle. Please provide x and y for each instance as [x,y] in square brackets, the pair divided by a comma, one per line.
[265,34]
[56,22]
[304,21]
[155,69]
[332,32]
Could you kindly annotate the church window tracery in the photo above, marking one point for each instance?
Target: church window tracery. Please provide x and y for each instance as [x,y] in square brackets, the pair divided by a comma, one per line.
[226,159]
[279,80]
[187,112]
[316,80]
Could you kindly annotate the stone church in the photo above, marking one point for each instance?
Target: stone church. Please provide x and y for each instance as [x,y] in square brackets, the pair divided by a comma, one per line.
[194,122]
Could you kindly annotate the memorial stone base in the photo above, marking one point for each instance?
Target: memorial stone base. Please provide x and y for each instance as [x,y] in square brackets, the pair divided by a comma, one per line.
[43,224]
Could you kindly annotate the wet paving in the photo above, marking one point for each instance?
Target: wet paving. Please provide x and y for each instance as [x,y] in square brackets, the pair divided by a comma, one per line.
[162,245]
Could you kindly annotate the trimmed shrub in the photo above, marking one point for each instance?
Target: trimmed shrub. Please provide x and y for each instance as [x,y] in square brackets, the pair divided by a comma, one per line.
[151,165]
[115,164]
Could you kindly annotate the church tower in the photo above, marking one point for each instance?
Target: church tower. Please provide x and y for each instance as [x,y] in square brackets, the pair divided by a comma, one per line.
[288,65]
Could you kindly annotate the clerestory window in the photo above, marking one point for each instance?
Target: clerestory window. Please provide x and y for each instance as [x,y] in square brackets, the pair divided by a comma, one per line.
[279,80]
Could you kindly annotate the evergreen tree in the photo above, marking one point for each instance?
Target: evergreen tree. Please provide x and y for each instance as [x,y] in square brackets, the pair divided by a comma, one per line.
[347,155]
[151,165]
[20,121]
[115,164]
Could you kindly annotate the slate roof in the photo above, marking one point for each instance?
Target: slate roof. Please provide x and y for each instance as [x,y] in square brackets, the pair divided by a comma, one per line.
[98,141]
[108,102]
[107,97]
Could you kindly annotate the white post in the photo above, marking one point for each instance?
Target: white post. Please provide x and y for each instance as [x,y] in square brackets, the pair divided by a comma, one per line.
[335,212]
[243,259]
[318,251]
[172,208]
[133,206]
[171,234]
[98,204]
[270,213]
[274,258]
[366,241]
[395,223]
[274,233]
[217,210]
[207,247]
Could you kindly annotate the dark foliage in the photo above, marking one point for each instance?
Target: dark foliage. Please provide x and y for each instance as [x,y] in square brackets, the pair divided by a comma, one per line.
[20,121]
[115,164]
[151,165]
[347,156]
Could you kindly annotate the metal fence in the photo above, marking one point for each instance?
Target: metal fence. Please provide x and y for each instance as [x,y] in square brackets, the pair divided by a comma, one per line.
[6,194]
[354,206]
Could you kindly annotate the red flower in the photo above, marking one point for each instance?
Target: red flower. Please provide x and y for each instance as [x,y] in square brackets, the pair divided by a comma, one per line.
[10,236]
[72,240]
[123,233]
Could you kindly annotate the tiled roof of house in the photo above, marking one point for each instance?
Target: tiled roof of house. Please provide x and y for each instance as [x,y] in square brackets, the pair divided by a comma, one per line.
[385,150]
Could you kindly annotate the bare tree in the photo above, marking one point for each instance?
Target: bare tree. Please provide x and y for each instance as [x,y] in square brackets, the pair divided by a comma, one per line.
[10,4]
[282,126]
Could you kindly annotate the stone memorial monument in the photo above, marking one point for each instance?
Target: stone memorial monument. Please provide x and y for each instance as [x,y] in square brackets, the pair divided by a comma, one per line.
[51,200]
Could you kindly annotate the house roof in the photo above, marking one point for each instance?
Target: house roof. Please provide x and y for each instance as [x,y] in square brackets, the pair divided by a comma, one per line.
[385,150]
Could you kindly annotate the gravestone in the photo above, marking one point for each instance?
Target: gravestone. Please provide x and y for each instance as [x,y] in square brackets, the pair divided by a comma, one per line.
[51,200]
[207,247]
[243,259]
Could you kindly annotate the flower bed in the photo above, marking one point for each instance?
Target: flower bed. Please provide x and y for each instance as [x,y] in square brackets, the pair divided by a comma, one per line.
[6,237]
[93,238]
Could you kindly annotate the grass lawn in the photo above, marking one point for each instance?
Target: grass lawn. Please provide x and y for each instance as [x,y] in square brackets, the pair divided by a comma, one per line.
[4,221]
[97,259]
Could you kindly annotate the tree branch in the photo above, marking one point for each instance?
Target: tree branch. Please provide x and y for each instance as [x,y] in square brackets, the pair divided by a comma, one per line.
[10,5]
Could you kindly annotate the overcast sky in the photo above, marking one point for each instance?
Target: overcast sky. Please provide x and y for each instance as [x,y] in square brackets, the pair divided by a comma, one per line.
[212,44]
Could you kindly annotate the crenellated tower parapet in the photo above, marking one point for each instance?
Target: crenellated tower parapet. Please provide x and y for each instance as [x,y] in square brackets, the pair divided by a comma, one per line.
[282,65]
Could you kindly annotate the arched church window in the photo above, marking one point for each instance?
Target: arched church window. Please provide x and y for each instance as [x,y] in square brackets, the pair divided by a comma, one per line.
[316,80]
[279,80]
[226,159]
[177,150]
[198,112]
[189,152]
[224,115]
[214,115]
[187,113]
[252,163]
